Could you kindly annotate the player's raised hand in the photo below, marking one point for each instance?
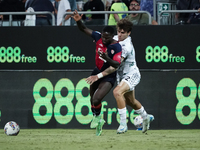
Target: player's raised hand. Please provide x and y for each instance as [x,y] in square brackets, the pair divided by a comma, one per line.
[91,79]
[76,16]
[103,55]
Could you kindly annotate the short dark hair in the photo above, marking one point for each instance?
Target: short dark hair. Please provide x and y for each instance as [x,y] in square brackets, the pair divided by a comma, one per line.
[125,24]
[109,29]
[135,1]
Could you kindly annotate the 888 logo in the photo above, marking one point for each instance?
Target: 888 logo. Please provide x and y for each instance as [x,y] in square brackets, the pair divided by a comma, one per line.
[59,54]
[13,55]
[61,101]
[187,101]
[10,54]
[65,109]
[158,54]
[198,54]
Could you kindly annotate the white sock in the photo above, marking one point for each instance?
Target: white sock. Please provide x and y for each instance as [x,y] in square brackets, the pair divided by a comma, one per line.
[122,114]
[142,112]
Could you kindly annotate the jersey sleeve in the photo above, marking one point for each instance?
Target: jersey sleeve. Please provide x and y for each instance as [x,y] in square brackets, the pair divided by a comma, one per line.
[117,56]
[96,35]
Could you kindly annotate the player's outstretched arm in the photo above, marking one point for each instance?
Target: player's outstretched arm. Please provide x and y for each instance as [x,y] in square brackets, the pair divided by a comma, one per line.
[80,25]
[91,79]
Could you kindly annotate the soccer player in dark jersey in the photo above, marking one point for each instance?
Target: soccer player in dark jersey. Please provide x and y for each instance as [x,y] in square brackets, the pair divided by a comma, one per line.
[99,89]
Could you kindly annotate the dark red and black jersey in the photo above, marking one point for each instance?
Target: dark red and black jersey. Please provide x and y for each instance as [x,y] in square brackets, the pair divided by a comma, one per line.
[113,50]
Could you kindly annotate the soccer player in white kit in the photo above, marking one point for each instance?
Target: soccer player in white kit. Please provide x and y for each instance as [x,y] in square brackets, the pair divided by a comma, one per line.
[128,76]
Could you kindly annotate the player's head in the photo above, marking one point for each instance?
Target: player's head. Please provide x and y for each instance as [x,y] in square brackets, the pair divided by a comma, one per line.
[124,27]
[107,35]
[134,5]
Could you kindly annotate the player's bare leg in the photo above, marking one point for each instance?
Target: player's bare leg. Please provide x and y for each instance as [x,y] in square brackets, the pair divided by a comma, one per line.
[136,105]
[118,93]
[131,101]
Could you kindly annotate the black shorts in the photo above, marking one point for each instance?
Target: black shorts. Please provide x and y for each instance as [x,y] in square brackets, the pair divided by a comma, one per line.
[109,78]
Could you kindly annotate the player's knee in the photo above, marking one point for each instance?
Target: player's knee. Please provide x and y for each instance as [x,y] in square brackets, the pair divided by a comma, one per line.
[116,92]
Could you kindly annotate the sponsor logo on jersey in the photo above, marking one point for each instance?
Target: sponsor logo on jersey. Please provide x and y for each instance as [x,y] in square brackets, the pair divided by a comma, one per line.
[101,45]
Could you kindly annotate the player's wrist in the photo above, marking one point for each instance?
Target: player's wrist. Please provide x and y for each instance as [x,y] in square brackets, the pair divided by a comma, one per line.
[100,75]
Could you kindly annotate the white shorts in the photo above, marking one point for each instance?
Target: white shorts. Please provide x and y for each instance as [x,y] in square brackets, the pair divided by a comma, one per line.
[131,79]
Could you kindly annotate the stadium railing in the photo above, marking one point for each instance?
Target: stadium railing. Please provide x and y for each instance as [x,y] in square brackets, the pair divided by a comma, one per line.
[174,11]
[96,12]
[28,13]
[106,14]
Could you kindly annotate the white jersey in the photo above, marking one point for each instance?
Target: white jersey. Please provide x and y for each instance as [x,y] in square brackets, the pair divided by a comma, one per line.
[128,69]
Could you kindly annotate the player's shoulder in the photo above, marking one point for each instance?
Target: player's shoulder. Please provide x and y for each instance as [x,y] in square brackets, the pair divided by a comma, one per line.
[96,32]
[96,35]
[116,46]
[127,42]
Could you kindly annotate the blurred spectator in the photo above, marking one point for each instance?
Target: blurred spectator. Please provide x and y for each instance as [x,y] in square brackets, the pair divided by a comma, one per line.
[94,19]
[30,19]
[12,6]
[147,5]
[63,7]
[55,5]
[118,5]
[73,8]
[195,17]
[127,2]
[110,2]
[138,19]
[80,4]
[185,18]
[41,5]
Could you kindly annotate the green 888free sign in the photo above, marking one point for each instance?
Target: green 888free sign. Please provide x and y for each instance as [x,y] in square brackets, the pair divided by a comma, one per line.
[61,101]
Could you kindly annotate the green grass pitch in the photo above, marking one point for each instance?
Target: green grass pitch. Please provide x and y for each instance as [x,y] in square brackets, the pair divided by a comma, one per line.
[85,139]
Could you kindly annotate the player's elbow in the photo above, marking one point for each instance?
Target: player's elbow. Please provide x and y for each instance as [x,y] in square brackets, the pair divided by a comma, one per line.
[117,65]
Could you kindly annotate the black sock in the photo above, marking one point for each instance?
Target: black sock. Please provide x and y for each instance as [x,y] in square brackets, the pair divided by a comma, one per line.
[96,110]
